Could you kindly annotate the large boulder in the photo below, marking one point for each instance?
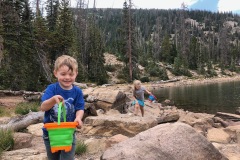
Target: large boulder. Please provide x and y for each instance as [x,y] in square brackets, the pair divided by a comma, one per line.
[231,151]
[109,125]
[115,139]
[110,99]
[165,142]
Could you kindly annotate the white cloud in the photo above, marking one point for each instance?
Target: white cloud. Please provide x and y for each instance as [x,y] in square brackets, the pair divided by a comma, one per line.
[228,5]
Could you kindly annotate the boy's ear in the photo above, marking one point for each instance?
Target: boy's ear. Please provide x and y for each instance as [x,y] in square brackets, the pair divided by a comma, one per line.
[55,73]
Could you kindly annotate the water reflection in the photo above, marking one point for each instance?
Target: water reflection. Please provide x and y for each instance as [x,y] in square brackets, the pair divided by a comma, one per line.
[209,98]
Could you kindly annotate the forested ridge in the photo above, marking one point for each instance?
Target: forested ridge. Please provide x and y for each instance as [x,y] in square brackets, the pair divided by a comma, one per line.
[180,39]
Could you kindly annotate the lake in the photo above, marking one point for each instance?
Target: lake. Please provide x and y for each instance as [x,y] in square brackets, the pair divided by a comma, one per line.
[207,98]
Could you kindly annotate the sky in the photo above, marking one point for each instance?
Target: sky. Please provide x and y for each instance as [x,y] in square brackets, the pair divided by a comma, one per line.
[210,5]
[221,5]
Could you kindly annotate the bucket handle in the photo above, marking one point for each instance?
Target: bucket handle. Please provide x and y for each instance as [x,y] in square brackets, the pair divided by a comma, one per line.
[61,109]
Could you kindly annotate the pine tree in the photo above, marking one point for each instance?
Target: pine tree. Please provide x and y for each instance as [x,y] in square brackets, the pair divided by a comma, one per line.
[64,30]
[52,10]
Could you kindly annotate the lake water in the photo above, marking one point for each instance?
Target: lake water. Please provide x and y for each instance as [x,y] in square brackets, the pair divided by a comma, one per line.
[208,98]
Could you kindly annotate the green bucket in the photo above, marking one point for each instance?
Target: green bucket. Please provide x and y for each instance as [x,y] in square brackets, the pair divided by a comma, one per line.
[61,133]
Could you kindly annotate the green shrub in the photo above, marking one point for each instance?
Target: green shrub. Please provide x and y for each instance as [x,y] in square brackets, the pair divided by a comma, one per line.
[163,74]
[110,68]
[144,79]
[211,73]
[24,108]
[81,148]
[6,140]
[1,111]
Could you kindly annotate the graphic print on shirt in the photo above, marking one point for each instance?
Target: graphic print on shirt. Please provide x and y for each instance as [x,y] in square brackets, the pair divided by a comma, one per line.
[70,111]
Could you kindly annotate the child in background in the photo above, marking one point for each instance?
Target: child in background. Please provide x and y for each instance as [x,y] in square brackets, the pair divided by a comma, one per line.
[138,94]
[65,70]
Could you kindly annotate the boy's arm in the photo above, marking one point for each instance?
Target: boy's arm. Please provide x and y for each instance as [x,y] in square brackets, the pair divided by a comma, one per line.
[148,92]
[79,116]
[49,103]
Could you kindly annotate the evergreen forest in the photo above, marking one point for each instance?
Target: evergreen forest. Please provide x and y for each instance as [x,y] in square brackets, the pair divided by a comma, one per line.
[183,40]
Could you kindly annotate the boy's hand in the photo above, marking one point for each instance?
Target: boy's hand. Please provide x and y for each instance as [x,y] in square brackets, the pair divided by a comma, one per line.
[79,121]
[58,99]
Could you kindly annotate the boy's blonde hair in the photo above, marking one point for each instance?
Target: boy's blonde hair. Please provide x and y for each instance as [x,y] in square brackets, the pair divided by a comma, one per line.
[135,83]
[66,60]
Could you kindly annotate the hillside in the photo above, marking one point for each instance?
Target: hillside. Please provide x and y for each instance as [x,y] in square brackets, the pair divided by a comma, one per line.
[153,45]
[114,70]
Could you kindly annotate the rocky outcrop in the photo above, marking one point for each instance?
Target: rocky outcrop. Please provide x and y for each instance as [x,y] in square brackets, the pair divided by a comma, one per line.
[110,125]
[166,142]
[106,99]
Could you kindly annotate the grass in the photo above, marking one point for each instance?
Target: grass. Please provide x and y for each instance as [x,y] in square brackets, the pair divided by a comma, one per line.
[81,148]
[24,108]
[4,112]
[6,140]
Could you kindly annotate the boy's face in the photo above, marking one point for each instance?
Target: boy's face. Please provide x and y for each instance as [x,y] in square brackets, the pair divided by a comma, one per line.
[65,77]
[138,86]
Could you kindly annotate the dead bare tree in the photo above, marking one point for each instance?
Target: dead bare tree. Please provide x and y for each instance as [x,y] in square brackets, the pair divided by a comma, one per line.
[1,38]
[130,40]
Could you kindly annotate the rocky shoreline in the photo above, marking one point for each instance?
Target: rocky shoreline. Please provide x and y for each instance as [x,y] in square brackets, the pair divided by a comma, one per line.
[110,126]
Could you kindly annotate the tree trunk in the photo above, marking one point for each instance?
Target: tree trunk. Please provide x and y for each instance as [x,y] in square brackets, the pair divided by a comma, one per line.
[1,38]
[228,116]
[130,40]
[22,122]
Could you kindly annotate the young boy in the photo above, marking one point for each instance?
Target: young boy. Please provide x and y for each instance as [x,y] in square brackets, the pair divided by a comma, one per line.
[138,94]
[65,70]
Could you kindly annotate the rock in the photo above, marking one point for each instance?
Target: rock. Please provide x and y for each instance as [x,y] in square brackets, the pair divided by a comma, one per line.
[22,140]
[238,111]
[110,99]
[95,145]
[91,99]
[218,135]
[170,116]
[230,151]
[220,120]
[115,139]
[234,131]
[200,121]
[100,112]
[87,91]
[165,142]
[103,105]
[80,85]
[36,129]
[167,102]
[229,116]
[106,125]
[24,154]
[89,110]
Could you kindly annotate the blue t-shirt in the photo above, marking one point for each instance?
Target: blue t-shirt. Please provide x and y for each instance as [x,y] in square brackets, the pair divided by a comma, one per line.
[73,101]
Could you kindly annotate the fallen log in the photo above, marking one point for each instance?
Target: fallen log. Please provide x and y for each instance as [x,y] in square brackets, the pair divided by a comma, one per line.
[228,116]
[22,122]
[18,93]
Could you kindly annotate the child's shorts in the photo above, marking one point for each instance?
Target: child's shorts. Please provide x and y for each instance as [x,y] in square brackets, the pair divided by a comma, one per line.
[140,102]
